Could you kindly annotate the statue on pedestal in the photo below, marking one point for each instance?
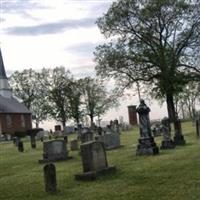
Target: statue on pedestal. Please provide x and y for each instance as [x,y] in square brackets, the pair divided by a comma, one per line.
[146,145]
[144,122]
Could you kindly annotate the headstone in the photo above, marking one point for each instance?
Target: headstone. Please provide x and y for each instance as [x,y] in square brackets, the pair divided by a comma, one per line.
[178,138]
[65,139]
[156,129]
[86,135]
[94,161]
[111,124]
[79,130]
[50,178]
[147,145]
[14,140]
[99,130]
[116,126]
[33,142]
[167,142]
[20,146]
[58,131]
[54,150]
[74,145]
[17,141]
[198,127]
[57,127]
[111,140]
[69,130]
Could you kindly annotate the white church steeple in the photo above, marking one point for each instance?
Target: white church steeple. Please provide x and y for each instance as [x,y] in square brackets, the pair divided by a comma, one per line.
[5,89]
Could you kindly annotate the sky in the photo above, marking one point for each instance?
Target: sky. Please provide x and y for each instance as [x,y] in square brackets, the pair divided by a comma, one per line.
[49,33]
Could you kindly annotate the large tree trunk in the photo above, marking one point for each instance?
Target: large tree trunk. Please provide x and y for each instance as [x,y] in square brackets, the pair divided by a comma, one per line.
[178,138]
[91,120]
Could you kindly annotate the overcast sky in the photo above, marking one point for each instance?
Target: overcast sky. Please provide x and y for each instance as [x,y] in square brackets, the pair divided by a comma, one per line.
[49,33]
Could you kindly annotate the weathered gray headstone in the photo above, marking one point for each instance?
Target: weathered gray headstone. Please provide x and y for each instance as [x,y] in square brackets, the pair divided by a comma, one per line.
[112,140]
[116,126]
[65,139]
[79,130]
[33,142]
[74,145]
[20,146]
[147,145]
[50,178]
[167,142]
[54,150]
[94,161]
[86,135]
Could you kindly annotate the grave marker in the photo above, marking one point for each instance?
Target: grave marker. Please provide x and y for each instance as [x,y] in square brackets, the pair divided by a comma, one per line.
[94,161]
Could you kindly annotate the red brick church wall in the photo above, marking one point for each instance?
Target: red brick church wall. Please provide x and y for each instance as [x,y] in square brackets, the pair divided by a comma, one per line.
[11,122]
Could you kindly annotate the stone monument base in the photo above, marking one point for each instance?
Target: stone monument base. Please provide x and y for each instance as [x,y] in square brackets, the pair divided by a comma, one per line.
[179,140]
[147,146]
[92,175]
[168,145]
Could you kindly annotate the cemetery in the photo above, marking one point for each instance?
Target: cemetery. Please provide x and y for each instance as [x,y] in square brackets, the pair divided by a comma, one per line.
[100,100]
[136,177]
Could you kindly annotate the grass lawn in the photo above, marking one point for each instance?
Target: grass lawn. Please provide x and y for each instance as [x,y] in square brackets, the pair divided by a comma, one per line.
[171,175]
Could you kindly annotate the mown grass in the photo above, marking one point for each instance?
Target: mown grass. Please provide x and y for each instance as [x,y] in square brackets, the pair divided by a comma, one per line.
[171,175]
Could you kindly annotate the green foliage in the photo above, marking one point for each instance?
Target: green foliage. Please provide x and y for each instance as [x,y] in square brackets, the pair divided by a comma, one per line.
[56,82]
[188,100]
[96,98]
[75,100]
[26,85]
[153,42]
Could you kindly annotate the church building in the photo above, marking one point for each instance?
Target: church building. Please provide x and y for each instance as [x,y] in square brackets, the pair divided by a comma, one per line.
[14,116]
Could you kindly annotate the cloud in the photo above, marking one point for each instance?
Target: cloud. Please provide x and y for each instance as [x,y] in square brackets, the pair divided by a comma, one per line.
[50,28]
[83,71]
[100,8]
[86,48]
[20,6]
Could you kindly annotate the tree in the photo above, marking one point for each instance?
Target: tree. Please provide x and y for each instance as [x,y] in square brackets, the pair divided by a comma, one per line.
[75,100]
[153,42]
[26,86]
[96,98]
[56,82]
[188,100]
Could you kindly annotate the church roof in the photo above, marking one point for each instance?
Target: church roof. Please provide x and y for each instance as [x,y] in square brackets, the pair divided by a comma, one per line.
[2,69]
[11,105]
